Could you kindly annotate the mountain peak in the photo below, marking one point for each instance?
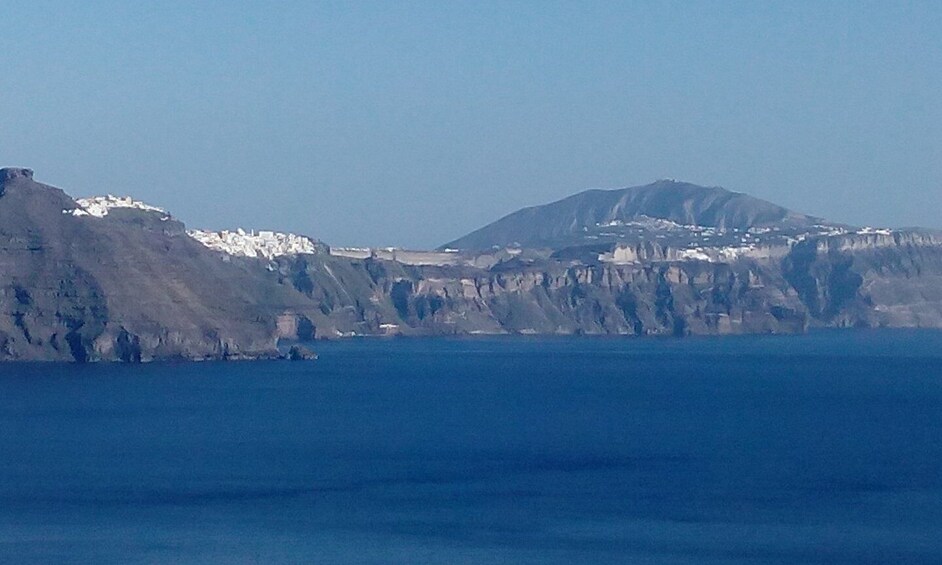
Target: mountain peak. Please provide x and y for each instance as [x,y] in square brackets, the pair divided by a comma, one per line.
[674,184]
[575,219]
[11,173]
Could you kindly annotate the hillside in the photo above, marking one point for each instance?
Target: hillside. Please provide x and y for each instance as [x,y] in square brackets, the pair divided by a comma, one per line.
[602,214]
[126,286]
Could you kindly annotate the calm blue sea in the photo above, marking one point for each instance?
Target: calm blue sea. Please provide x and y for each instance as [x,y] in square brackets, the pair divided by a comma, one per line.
[825,448]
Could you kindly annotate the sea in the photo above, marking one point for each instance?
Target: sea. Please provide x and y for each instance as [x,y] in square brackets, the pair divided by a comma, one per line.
[820,448]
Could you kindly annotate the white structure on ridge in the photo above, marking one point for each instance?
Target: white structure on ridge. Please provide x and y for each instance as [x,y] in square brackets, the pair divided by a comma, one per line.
[404,256]
[267,244]
[98,206]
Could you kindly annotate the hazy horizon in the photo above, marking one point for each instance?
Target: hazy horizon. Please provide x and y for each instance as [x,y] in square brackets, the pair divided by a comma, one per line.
[411,125]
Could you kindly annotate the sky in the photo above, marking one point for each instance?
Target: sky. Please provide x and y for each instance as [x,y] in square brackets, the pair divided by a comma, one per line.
[412,123]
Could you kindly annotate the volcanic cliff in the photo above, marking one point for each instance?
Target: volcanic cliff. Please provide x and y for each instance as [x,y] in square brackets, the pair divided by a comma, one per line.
[113,279]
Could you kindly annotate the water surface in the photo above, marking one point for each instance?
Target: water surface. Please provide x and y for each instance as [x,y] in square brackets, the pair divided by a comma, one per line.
[824,448]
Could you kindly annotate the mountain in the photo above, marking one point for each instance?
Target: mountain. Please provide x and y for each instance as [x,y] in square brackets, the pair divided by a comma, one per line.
[112,279]
[588,216]
[126,286]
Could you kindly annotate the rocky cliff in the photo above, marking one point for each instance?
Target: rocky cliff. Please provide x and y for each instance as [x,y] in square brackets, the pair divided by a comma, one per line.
[128,286]
[129,283]
[830,281]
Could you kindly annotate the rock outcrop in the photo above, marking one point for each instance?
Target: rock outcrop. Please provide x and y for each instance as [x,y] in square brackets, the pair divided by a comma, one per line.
[127,286]
[13,173]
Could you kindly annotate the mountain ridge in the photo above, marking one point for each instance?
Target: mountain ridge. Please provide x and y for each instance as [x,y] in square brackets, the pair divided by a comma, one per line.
[563,222]
[114,279]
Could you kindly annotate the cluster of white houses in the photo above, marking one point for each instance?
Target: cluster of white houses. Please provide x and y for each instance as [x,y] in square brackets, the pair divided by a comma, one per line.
[99,206]
[266,244]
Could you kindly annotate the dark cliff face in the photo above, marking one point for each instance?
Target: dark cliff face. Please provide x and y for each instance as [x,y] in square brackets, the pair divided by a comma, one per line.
[13,173]
[656,299]
[874,280]
[128,286]
[838,281]
[826,282]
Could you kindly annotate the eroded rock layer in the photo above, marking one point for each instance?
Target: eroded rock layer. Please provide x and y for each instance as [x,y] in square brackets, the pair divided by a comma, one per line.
[133,285]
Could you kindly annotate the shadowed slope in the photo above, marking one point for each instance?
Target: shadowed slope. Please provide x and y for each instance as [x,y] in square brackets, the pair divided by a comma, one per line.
[126,286]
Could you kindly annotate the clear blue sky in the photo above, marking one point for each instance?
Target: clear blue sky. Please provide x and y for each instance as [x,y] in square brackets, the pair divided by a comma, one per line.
[411,123]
